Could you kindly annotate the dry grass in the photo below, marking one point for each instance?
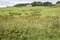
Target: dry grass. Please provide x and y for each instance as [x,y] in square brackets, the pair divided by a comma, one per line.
[30,28]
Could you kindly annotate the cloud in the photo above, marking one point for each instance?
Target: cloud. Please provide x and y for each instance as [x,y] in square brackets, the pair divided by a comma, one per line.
[4,3]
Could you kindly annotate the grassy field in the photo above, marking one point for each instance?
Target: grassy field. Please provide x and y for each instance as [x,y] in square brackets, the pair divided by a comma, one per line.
[28,11]
[30,23]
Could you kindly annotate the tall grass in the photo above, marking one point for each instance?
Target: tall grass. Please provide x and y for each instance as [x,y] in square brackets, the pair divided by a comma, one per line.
[30,28]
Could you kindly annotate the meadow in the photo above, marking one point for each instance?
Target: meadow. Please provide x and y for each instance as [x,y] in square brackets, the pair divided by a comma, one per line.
[30,23]
[31,11]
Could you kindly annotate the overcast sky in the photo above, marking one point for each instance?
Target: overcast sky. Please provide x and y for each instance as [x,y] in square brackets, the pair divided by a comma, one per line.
[4,3]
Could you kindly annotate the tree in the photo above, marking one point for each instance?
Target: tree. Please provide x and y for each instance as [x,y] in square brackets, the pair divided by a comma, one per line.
[58,2]
[39,3]
[33,3]
[22,4]
[36,3]
[47,4]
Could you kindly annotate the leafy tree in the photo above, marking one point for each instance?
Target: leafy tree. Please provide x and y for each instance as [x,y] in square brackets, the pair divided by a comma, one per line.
[39,3]
[18,5]
[58,2]
[47,4]
[33,3]
[36,3]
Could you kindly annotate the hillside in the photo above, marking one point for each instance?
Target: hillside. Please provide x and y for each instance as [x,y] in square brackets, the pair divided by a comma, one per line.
[28,11]
[30,23]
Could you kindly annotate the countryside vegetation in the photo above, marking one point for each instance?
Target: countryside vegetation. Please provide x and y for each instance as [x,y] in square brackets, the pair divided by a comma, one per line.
[41,21]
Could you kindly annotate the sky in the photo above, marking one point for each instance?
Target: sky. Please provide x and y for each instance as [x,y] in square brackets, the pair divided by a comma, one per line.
[4,3]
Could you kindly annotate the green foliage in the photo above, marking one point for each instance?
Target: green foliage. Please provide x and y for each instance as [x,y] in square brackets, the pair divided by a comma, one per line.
[47,4]
[20,5]
[36,3]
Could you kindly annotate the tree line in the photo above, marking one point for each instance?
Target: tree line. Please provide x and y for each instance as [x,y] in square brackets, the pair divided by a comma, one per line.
[37,4]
